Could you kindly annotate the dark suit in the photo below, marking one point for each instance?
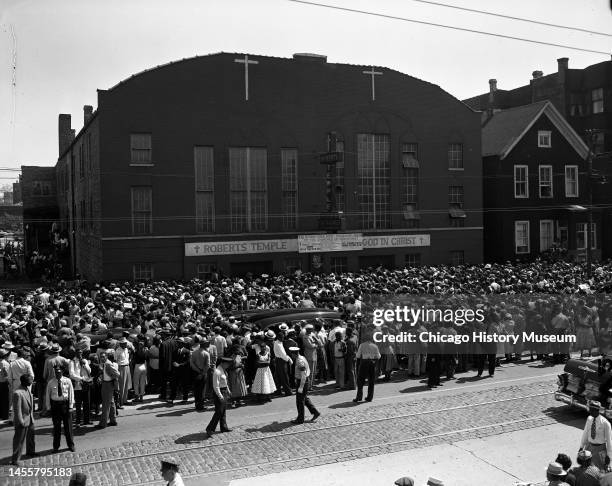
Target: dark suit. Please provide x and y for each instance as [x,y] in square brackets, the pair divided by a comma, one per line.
[23,410]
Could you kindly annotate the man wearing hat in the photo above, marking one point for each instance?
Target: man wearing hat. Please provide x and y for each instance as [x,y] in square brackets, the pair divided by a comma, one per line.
[109,375]
[310,345]
[282,361]
[597,436]
[368,355]
[405,481]
[434,482]
[23,410]
[221,396]
[60,400]
[122,357]
[556,475]
[181,372]
[169,471]
[21,366]
[302,383]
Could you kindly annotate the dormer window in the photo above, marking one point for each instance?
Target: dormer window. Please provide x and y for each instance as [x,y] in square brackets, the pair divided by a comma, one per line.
[544,139]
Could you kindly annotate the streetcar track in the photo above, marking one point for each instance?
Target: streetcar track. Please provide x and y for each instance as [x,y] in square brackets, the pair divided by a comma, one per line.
[323,428]
[348,451]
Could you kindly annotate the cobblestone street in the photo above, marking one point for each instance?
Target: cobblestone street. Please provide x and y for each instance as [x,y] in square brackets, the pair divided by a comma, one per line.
[345,432]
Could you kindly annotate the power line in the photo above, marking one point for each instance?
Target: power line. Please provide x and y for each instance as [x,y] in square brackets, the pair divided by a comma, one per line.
[483,12]
[463,29]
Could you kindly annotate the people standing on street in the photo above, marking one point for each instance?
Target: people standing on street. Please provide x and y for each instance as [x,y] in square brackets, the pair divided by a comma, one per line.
[221,396]
[302,384]
[80,373]
[282,362]
[310,344]
[139,379]
[199,364]
[20,366]
[351,358]
[60,401]
[339,355]
[23,420]
[597,436]
[367,356]
[181,370]
[109,375]
[169,472]
[122,357]
[166,350]
[263,383]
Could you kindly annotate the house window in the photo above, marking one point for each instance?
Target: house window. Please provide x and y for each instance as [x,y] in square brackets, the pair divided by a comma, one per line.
[204,189]
[340,197]
[142,214]
[455,156]
[455,195]
[289,170]
[521,181]
[338,264]
[457,257]
[544,137]
[576,104]
[546,234]
[140,145]
[292,265]
[374,183]
[143,272]
[546,181]
[581,236]
[521,237]
[571,181]
[410,165]
[248,189]
[597,98]
[412,260]
[598,143]
[204,271]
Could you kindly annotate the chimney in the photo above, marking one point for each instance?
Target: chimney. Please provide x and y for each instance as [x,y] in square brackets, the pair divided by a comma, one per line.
[492,89]
[87,113]
[562,63]
[537,74]
[65,132]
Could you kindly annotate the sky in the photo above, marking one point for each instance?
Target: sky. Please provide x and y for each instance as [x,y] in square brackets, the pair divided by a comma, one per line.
[55,54]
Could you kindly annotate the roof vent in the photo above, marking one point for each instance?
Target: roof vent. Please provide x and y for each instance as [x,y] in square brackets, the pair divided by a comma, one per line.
[537,74]
[306,56]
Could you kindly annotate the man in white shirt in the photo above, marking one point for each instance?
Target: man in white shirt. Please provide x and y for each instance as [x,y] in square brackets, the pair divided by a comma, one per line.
[302,374]
[169,471]
[80,374]
[60,400]
[281,362]
[597,436]
[20,366]
[110,373]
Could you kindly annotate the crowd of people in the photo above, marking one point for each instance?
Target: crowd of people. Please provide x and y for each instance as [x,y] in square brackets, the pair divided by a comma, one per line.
[97,348]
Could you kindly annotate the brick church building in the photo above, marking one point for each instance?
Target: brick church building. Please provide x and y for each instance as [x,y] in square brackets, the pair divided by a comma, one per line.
[214,163]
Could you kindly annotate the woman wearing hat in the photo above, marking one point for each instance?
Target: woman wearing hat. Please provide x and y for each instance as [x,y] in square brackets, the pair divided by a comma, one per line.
[236,373]
[263,384]
[221,396]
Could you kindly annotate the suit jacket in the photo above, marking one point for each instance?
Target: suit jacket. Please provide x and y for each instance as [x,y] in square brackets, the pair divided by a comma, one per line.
[23,408]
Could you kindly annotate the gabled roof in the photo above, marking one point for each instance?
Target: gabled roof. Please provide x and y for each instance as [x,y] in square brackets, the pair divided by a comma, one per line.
[506,128]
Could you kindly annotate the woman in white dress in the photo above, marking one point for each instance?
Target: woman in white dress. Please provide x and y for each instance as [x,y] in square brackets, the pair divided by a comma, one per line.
[263,384]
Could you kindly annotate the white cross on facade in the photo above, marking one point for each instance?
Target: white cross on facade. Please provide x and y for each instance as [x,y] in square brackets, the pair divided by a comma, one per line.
[373,73]
[246,63]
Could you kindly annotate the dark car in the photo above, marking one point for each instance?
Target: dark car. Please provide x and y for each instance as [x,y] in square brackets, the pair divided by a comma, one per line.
[268,318]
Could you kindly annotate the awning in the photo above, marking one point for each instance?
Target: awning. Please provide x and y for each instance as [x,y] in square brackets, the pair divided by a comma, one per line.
[410,162]
[456,212]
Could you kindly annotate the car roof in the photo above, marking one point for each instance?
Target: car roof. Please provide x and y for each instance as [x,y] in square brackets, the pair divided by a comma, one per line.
[265,318]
